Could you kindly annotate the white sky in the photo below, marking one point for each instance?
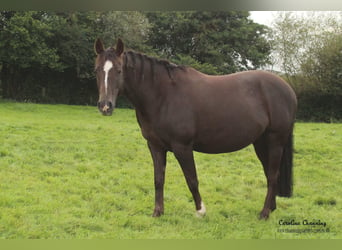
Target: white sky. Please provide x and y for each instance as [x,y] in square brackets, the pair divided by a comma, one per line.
[263,17]
[266,17]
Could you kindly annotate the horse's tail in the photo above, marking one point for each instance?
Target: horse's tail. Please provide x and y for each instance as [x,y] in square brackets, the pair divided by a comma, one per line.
[285,174]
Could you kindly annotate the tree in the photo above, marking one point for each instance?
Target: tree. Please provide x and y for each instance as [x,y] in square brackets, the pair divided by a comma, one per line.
[24,45]
[202,67]
[308,48]
[229,41]
[298,38]
[290,40]
[323,64]
[131,26]
[49,56]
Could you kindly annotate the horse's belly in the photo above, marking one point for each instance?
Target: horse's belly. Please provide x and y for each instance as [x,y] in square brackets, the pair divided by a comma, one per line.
[221,145]
[217,150]
[227,139]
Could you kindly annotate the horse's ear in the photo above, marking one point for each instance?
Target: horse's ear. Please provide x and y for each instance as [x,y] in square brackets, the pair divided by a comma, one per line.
[119,47]
[98,46]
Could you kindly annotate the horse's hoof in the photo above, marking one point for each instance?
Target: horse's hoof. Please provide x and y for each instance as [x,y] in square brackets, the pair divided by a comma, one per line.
[157,213]
[264,214]
[201,212]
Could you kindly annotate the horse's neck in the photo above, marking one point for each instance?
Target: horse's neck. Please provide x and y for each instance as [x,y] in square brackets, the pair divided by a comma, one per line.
[141,87]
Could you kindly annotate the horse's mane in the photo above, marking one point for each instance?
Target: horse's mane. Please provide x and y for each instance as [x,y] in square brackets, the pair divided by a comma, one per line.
[134,59]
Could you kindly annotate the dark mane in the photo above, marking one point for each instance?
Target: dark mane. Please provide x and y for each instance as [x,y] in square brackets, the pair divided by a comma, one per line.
[134,59]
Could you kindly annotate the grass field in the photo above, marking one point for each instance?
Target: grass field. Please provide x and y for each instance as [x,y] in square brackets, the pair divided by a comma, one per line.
[66,172]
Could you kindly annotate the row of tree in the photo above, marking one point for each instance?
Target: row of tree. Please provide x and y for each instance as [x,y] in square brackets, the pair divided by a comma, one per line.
[48,56]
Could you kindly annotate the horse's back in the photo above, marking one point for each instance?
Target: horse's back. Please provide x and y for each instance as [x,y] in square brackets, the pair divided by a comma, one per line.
[254,90]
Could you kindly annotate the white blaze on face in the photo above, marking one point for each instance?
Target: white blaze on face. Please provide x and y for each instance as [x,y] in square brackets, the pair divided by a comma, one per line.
[107,66]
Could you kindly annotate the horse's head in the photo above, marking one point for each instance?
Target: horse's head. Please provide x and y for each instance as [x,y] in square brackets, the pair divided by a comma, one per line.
[109,76]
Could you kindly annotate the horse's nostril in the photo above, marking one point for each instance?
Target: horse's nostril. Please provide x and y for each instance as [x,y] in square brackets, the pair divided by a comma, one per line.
[105,107]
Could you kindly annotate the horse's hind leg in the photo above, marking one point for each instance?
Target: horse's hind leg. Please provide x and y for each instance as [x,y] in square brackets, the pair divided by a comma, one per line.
[185,158]
[269,150]
[261,150]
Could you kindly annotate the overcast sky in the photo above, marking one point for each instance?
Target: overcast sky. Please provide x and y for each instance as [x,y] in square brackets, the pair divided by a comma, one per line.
[263,17]
[266,17]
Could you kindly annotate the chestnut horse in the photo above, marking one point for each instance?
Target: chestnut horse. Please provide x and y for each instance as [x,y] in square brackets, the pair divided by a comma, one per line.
[181,110]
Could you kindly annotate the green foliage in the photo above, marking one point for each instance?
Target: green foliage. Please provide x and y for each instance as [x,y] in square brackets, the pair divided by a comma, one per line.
[323,66]
[131,26]
[67,172]
[227,40]
[41,54]
[206,68]
[24,42]
[48,56]
[317,107]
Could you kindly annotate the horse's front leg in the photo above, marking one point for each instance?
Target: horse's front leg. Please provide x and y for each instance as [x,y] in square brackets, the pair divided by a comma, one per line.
[159,163]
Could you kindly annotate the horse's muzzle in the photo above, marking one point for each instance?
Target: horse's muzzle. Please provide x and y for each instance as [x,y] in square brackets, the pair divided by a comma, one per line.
[105,107]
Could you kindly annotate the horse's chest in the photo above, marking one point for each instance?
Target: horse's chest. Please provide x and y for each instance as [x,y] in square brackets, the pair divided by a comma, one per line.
[150,132]
[167,127]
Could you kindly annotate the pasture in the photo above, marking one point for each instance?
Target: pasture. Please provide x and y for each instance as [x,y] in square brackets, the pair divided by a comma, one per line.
[67,172]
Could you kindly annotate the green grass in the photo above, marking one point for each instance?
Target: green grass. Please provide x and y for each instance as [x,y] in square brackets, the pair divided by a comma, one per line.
[68,172]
